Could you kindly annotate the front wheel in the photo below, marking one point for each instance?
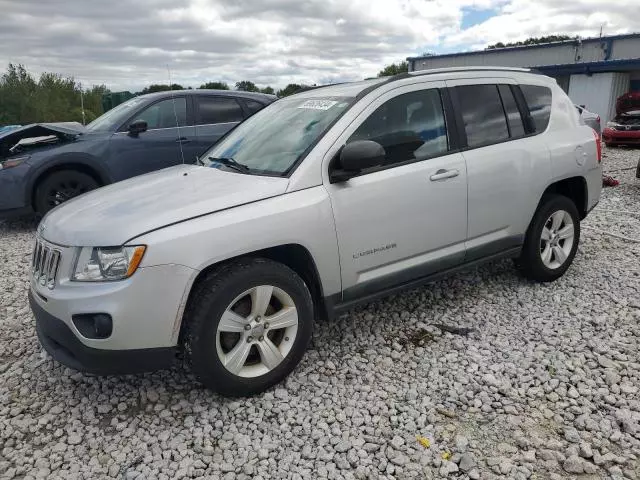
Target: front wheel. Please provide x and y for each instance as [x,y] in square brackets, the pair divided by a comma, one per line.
[552,239]
[247,326]
[61,186]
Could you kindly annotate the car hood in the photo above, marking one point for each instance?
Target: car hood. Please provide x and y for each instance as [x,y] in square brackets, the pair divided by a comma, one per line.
[22,139]
[627,103]
[115,214]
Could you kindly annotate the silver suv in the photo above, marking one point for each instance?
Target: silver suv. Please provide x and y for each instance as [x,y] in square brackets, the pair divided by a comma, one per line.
[325,199]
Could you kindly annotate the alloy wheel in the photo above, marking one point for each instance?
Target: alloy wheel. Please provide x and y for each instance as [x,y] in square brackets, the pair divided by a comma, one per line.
[556,240]
[257,331]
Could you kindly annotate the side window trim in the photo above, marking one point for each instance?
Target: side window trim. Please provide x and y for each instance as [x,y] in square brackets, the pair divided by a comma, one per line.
[506,114]
[527,119]
[196,112]
[123,127]
[459,121]
[452,124]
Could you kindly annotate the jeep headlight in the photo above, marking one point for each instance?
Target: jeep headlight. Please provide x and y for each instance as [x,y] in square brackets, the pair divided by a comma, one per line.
[99,264]
[612,124]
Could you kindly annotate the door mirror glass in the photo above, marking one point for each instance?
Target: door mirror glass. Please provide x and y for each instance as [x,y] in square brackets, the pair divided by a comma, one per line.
[137,127]
[357,156]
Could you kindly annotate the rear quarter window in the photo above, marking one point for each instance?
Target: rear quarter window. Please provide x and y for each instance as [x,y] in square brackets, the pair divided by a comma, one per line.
[538,100]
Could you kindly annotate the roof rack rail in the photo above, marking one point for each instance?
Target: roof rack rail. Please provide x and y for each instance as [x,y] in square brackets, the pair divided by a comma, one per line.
[468,69]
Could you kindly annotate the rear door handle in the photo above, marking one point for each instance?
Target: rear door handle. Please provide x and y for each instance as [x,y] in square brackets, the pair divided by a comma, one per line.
[183,140]
[443,174]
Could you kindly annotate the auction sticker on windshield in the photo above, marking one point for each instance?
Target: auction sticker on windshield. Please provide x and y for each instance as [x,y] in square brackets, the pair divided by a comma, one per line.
[318,104]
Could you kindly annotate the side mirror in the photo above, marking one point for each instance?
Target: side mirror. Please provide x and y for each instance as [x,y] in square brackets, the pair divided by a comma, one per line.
[355,157]
[137,127]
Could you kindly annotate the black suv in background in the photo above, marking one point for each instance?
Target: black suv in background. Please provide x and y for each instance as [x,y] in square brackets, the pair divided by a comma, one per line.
[43,165]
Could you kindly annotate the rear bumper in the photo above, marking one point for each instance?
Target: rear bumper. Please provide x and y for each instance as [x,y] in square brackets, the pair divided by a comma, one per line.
[63,345]
[621,137]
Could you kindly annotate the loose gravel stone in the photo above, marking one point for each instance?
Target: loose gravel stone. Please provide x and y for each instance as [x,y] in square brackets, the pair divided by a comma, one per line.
[544,385]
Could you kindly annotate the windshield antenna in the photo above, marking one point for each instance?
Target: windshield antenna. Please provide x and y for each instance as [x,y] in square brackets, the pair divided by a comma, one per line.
[175,114]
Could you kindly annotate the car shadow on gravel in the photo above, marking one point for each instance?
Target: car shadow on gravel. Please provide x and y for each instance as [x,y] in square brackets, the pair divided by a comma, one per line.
[19,225]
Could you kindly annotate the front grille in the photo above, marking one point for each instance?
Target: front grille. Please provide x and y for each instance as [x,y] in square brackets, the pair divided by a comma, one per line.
[44,264]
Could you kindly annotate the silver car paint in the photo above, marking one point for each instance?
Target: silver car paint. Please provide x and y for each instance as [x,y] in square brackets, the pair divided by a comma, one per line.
[232,214]
[424,219]
[120,211]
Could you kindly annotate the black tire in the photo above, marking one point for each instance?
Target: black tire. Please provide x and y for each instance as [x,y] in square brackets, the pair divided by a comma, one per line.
[58,187]
[209,300]
[530,262]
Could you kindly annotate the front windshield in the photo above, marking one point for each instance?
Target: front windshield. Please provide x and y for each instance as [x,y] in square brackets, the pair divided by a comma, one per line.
[115,117]
[272,141]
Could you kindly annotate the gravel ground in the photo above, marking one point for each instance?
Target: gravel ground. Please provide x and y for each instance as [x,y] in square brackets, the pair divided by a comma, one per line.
[543,385]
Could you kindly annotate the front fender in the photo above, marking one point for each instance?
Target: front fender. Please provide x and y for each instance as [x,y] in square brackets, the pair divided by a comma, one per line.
[49,163]
[303,217]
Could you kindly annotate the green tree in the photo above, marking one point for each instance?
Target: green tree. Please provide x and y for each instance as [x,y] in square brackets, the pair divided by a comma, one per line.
[291,89]
[17,96]
[247,86]
[394,69]
[160,87]
[214,86]
[51,98]
[532,41]
[268,90]
[93,100]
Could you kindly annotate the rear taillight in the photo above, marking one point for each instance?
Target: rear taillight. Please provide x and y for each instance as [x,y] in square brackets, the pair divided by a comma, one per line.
[598,146]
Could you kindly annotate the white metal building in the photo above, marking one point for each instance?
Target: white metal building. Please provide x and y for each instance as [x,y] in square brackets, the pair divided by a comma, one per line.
[593,71]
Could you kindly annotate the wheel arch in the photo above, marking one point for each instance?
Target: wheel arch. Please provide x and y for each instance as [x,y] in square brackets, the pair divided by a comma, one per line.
[574,188]
[80,163]
[293,255]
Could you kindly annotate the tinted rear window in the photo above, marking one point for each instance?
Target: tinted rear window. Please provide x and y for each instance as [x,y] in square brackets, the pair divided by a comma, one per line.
[539,101]
[482,113]
[218,110]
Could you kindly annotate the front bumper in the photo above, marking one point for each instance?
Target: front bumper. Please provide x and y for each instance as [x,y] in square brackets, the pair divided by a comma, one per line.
[13,188]
[621,137]
[145,311]
[65,347]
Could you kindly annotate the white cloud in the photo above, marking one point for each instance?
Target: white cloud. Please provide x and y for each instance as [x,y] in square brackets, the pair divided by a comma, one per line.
[271,42]
[521,19]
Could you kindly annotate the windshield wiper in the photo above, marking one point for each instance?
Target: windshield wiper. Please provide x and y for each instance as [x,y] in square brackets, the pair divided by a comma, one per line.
[231,163]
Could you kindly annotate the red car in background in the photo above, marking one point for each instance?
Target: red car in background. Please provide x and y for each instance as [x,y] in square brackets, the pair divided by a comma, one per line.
[625,127]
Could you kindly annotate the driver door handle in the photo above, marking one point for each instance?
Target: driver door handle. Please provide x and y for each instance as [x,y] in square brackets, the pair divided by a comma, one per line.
[183,140]
[443,174]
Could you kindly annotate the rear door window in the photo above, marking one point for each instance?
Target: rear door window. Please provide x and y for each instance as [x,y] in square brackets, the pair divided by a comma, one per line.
[210,110]
[482,115]
[516,126]
[538,99]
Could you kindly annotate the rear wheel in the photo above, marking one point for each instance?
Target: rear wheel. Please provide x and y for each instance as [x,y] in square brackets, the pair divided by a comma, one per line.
[247,326]
[61,186]
[552,239]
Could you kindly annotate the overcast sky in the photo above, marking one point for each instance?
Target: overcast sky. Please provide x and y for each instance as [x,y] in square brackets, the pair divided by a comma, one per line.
[128,44]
